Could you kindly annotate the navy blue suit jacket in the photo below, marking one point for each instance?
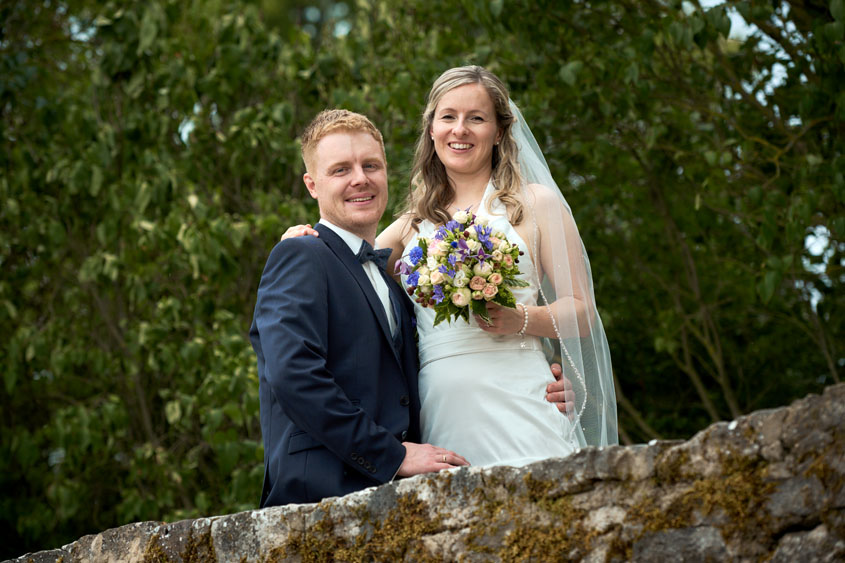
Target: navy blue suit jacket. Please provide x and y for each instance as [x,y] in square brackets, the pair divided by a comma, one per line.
[338,394]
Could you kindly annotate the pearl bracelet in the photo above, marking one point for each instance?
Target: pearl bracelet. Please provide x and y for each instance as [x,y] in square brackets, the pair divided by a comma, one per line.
[521,331]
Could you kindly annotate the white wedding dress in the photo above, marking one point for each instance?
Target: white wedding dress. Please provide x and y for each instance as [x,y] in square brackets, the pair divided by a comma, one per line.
[482,395]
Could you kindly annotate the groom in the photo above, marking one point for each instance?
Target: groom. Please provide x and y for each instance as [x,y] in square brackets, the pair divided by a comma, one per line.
[337,361]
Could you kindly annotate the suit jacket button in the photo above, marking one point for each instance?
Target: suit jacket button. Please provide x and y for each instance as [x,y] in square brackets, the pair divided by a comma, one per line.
[404,435]
[360,461]
[354,457]
[404,400]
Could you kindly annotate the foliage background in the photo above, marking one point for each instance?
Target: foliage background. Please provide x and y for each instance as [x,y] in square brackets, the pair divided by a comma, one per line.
[150,161]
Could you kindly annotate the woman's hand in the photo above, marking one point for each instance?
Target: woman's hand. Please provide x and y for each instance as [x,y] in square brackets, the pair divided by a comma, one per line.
[299,231]
[503,320]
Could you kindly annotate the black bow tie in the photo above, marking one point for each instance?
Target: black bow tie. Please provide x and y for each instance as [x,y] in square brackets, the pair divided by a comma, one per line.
[379,257]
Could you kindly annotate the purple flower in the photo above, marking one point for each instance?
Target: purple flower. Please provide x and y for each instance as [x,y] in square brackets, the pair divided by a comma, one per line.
[453,225]
[452,259]
[441,234]
[438,294]
[415,255]
[484,236]
[413,279]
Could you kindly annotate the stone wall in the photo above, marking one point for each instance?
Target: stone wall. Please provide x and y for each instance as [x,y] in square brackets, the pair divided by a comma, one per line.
[769,486]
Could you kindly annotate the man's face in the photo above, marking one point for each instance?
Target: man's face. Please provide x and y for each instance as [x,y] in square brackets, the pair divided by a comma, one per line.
[348,178]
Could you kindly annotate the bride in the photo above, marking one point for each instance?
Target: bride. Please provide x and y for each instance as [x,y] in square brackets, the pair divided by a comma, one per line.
[482,385]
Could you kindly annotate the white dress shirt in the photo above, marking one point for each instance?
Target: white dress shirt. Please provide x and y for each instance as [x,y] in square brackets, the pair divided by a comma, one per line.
[370,268]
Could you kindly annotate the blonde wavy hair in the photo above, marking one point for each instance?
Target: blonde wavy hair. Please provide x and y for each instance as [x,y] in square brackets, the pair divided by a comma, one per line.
[331,121]
[431,191]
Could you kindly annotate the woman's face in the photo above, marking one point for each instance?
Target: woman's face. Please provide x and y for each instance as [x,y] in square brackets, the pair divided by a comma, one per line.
[465,130]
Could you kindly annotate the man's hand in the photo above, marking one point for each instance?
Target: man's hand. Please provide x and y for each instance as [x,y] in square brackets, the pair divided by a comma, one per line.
[560,392]
[425,458]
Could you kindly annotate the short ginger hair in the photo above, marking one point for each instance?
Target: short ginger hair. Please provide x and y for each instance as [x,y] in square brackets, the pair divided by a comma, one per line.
[331,121]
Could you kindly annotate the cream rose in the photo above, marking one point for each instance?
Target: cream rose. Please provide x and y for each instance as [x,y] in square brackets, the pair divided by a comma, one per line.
[471,233]
[424,279]
[431,262]
[482,269]
[497,255]
[461,297]
[473,244]
[496,278]
[437,277]
[477,295]
[482,221]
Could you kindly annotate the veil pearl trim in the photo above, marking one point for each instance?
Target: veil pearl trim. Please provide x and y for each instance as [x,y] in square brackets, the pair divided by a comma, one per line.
[566,291]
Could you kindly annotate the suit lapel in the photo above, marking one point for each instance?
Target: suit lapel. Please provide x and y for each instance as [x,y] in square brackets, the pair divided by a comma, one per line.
[351,263]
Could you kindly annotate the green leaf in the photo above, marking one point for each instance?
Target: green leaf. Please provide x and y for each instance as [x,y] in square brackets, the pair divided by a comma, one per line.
[148,32]
[96,180]
[837,9]
[173,411]
[480,308]
[569,72]
[496,7]
[767,285]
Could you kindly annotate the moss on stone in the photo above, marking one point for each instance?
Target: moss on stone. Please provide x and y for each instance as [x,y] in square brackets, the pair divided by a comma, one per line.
[531,524]
[669,467]
[394,537]
[739,492]
[154,553]
[199,548]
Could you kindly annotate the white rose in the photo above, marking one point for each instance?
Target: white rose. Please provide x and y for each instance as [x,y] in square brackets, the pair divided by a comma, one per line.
[460,216]
[460,279]
[504,246]
[483,269]
[472,233]
[431,262]
[473,245]
[424,279]
[445,247]
[482,221]
[497,255]
[423,271]
[437,277]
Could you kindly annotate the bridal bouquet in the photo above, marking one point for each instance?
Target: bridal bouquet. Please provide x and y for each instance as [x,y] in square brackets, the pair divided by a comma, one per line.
[462,268]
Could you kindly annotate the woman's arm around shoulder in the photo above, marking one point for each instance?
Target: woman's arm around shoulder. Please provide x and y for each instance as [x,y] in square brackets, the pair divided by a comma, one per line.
[395,237]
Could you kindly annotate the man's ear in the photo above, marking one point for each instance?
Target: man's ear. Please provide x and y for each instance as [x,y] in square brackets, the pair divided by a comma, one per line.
[309,183]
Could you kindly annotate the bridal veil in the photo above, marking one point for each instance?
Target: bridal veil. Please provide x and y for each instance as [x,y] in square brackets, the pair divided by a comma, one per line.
[567,294]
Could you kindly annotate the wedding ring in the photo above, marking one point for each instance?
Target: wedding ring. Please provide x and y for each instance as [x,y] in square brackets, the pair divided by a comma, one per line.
[444,459]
